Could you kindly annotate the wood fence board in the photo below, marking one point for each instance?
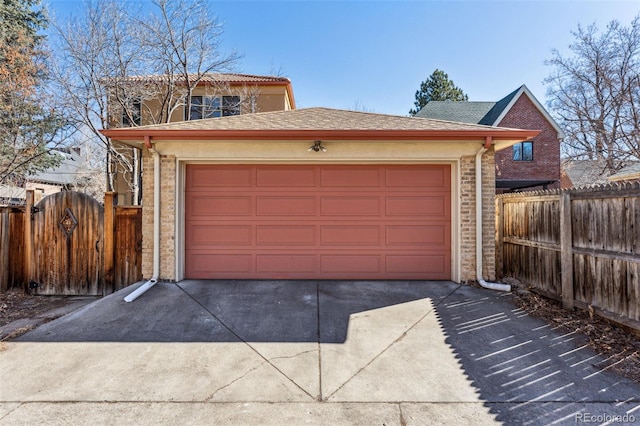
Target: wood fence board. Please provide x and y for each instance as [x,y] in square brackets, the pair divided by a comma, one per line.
[601,243]
[128,240]
[68,263]
[4,254]
[39,249]
[633,291]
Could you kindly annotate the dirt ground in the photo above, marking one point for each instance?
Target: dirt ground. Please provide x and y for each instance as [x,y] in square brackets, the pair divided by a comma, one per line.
[15,305]
[620,347]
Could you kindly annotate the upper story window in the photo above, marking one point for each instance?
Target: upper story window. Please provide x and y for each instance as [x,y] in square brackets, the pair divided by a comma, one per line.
[214,106]
[523,151]
[133,117]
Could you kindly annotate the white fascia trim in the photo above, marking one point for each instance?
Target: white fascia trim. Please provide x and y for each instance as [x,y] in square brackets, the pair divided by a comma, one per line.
[179,218]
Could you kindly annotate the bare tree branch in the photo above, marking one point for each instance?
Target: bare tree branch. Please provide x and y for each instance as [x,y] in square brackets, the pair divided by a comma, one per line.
[595,94]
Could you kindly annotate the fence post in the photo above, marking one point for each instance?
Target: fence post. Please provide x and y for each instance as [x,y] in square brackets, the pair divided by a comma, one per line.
[28,240]
[499,236]
[4,248]
[566,251]
[108,246]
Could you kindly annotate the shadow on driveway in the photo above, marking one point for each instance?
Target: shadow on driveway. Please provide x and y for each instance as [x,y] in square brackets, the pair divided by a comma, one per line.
[524,371]
[528,372]
[230,311]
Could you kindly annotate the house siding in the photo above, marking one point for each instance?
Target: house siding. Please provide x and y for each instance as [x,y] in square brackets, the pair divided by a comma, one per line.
[546,147]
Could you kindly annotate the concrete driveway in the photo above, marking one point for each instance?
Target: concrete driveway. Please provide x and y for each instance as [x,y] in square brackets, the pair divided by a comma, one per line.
[307,352]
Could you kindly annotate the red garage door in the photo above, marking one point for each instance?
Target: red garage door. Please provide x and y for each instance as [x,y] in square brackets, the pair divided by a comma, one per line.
[318,222]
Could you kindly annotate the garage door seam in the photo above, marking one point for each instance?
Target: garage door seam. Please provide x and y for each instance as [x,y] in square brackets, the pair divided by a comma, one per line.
[242,340]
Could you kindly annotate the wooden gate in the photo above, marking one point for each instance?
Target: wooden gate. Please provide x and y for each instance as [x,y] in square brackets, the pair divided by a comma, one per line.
[69,244]
[66,245]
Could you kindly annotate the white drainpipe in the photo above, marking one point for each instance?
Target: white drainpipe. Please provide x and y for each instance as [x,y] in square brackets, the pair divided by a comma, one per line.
[156,231]
[479,222]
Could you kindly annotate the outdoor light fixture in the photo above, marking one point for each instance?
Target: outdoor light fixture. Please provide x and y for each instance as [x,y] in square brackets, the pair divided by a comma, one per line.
[317,147]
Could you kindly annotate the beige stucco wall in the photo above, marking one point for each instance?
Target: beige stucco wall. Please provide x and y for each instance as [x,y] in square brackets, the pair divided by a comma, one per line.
[460,155]
[267,98]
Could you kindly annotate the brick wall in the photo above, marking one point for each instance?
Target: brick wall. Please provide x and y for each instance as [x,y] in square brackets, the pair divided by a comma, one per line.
[167,217]
[468,217]
[147,214]
[546,147]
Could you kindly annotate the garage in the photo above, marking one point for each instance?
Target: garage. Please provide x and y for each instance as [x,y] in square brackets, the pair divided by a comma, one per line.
[311,221]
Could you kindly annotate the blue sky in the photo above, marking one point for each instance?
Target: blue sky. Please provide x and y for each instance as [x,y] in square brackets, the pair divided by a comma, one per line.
[374,54]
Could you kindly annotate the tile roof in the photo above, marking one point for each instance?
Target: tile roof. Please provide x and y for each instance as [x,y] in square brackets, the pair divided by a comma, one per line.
[230,78]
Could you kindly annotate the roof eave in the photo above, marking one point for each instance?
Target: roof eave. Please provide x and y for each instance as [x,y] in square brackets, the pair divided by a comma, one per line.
[136,137]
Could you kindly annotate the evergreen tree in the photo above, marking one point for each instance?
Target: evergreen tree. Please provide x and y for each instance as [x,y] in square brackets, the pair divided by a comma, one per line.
[437,87]
[28,128]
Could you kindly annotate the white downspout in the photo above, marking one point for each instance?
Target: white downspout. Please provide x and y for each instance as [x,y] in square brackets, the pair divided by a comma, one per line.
[479,222]
[156,231]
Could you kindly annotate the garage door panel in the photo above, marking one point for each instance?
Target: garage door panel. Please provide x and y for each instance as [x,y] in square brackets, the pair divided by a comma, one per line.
[208,235]
[289,178]
[432,236]
[349,235]
[207,205]
[202,177]
[347,177]
[350,206]
[286,263]
[418,206]
[351,264]
[203,265]
[289,206]
[417,177]
[433,265]
[286,235]
[318,222]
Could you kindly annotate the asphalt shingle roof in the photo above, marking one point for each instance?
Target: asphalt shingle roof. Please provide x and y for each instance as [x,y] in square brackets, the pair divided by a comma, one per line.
[463,112]
[316,119]
[72,163]
[315,123]
[467,112]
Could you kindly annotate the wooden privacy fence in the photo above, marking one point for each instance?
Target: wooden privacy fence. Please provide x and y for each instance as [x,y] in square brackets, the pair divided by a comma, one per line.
[581,246]
[69,244]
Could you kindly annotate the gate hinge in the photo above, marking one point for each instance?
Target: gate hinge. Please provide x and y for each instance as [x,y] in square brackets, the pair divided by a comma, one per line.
[35,210]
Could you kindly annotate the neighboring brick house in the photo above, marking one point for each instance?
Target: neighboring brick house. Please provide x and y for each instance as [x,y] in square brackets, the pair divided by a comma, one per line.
[528,165]
[143,100]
